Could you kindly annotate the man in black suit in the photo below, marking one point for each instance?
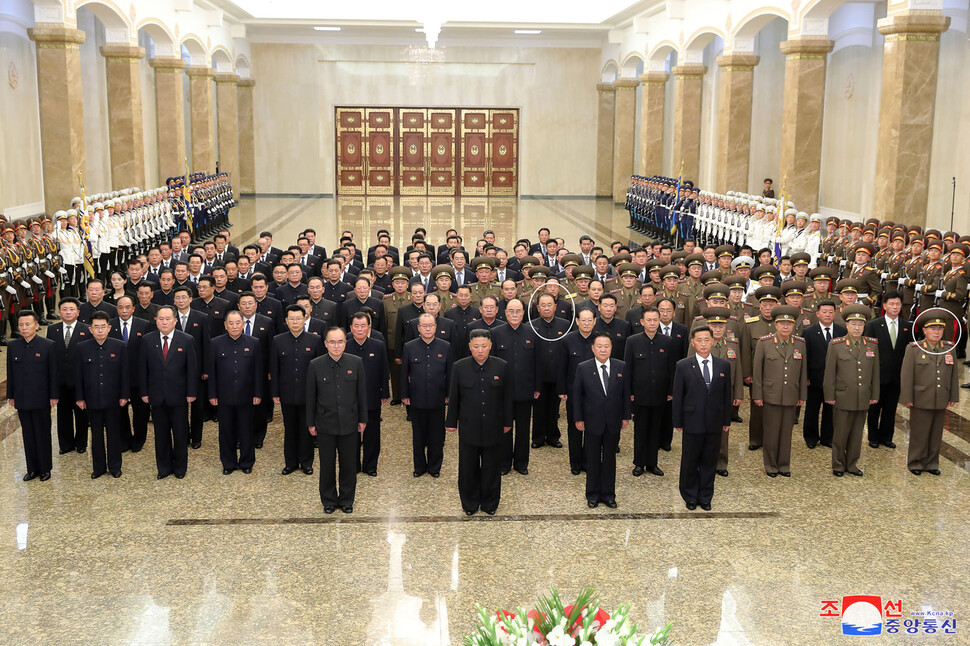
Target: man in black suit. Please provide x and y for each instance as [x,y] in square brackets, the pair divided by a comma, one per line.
[268,305]
[360,299]
[95,302]
[293,287]
[234,365]
[601,404]
[651,360]
[320,307]
[373,354]
[893,334]
[617,328]
[136,277]
[221,288]
[169,374]
[72,422]
[32,389]
[312,262]
[552,357]
[702,397]
[315,249]
[817,339]
[577,347]
[213,307]
[130,330]
[102,386]
[196,325]
[289,362]
[426,364]
[518,345]
[679,334]
[480,409]
[336,407]
[262,328]
[312,325]
[166,283]
[335,289]
[234,281]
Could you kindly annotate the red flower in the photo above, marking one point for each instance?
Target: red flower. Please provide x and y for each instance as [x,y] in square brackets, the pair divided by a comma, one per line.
[601,618]
[504,614]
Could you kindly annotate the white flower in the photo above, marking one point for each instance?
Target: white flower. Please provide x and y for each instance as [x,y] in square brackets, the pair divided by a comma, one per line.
[558,637]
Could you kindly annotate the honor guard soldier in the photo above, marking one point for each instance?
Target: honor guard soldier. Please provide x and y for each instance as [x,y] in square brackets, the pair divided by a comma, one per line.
[909,276]
[931,280]
[729,349]
[756,327]
[866,274]
[952,296]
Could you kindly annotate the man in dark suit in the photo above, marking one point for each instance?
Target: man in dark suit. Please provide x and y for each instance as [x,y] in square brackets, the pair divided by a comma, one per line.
[336,403]
[321,308]
[293,287]
[817,339]
[196,325]
[577,347]
[361,298]
[213,307]
[95,302]
[268,305]
[130,330]
[601,404]
[373,354]
[312,262]
[102,386]
[32,389]
[552,357]
[702,397]
[236,372]
[518,345]
[221,289]
[312,325]
[263,330]
[893,334]
[426,364]
[289,362]
[315,249]
[679,334]
[335,289]
[72,422]
[169,374]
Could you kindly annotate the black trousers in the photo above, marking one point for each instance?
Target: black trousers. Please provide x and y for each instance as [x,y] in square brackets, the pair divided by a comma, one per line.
[574,440]
[667,426]
[479,476]
[72,422]
[600,452]
[882,415]
[545,415]
[697,464]
[297,441]
[261,414]
[197,415]
[338,452]
[811,430]
[428,438]
[105,438]
[236,427]
[648,429]
[171,438]
[515,443]
[35,425]
[370,442]
[133,431]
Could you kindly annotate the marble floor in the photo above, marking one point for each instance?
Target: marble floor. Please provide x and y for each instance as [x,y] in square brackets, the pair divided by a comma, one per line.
[252,559]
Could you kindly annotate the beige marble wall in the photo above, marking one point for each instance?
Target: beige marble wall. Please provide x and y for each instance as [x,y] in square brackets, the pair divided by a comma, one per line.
[651,157]
[689,90]
[61,116]
[170,115]
[801,145]
[766,107]
[734,120]
[604,138]
[910,63]
[246,182]
[21,170]
[226,103]
[94,103]
[126,137]
[624,133]
[201,119]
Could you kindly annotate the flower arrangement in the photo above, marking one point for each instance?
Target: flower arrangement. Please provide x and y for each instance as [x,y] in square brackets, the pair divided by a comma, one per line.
[550,623]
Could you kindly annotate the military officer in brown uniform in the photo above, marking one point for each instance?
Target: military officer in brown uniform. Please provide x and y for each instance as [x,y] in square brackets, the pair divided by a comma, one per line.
[693,286]
[716,295]
[779,386]
[395,300]
[484,267]
[628,293]
[822,280]
[793,291]
[653,268]
[848,292]
[671,282]
[443,277]
[718,319]
[754,328]
[929,383]
[765,276]
[737,286]
[851,385]
[569,263]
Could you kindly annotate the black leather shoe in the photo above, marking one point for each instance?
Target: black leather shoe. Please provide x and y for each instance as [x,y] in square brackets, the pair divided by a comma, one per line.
[611,504]
[63,451]
[30,476]
[666,447]
[196,445]
[372,473]
[811,445]
[555,444]
[287,471]
[591,504]
[490,512]
[722,472]
[637,472]
[135,449]
[347,509]
[523,471]
[395,402]
[772,475]
[838,474]
[82,449]
[329,509]
[737,418]
[308,471]
[470,513]
[116,474]
[657,471]
[575,472]
[889,445]
[692,506]
[97,474]
[259,445]
[162,476]
[874,445]
[45,476]
[827,445]
[934,472]
[434,474]
[418,474]
[785,474]
[247,470]
[706,506]
[916,472]
[857,473]
[179,475]
[536,446]
[505,472]
[754,447]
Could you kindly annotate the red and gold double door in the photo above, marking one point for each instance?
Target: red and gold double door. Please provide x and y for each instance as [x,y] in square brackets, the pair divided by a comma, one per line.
[427,151]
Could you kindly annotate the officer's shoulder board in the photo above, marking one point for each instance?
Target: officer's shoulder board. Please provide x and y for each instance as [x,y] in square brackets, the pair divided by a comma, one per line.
[841,339]
[734,341]
[387,296]
[767,336]
[795,337]
[751,319]
[871,339]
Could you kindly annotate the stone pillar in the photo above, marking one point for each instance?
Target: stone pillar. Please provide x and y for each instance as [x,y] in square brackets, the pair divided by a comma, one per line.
[604,139]
[200,100]
[125,134]
[61,117]
[911,58]
[169,116]
[226,103]
[652,100]
[734,121]
[624,134]
[688,92]
[246,182]
[801,132]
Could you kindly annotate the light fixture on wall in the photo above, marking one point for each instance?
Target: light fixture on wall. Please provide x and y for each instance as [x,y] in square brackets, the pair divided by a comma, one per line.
[327,28]
[528,32]
[431,30]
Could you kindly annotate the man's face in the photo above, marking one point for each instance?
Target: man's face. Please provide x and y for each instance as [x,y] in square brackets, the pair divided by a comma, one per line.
[417,294]
[744,272]
[315,289]
[210,251]
[154,257]
[695,271]
[665,255]
[362,289]
[195,265]
[205,289]
[220,278]
[134,273]
[718,329]
[165,321]
[648,297]
[509,290]
[28,326]
[232,271]
[608,309]
[99,328]
[304,246]
[893,307]
[855,328]
[166,281]
[861,258]
[360,329]
[795,300]
[547,307]
[311,236]
[784,328]
[514,313]
[489,309]
[144,294]
[424,265]
[458,260]
[671,283]
[182,301]
[443,283]
[602,347]
[766,306]
[220,245]
[933,333]
[380,266]
[125,309]
[295,321]
[666,312]
[181,273]
[651,322]
[601,265]
[95,292]
[702,342]
[279,274]
[426,327]
[294,275]
[247,305]
[336,342]
[848,298]
[826,314]
[709,255]
[586,246]
[595,290]
[585,321]
[234,324]
[464,297]
[484,274]
[785,267]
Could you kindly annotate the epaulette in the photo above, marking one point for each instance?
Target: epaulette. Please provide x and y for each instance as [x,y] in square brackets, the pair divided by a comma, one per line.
[870,338]
[840,339]
[798,338]
[914,343]
[614,291]
[751,319]
[733,340]
[391,295]
[767,336]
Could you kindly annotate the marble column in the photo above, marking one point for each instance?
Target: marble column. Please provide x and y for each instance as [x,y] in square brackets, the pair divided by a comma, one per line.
[125,133]
[801,131]
[201,126]
[911,57]
[169,116]
[734,121]
[604,139]
[246,182]
[61,117]
[652,99]
[688,93]
[624,135]
[226,104]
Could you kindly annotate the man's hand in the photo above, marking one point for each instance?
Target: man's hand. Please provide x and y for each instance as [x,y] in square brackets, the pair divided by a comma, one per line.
[451,430]
[190,399]
[212,400]
[397,361]
[735,402]
[873,401]
[679,430]
[506,429]
[361,426]
[276,400]
[256,400]
[624,423]
[726,428]
[406,401]
[122,402]
[908,404]
[313,430]
[564,397]
[748,381]
[759,402]
[670,398]
[144,399]
[580,426]
[801,402]
[80,404]
[832,403]
[446,400]
[10,403]
[205,377]
[949,404]
[385,400]
[535,395]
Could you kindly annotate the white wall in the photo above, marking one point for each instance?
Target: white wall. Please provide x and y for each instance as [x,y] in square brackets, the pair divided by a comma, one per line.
[97,147]
[766,107]
[21,175]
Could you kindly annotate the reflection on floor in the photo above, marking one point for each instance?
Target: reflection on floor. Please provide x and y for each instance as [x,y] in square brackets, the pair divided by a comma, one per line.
[240,559]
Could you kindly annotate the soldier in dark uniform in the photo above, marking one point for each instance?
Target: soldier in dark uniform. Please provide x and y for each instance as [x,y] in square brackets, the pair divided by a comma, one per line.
[754,328]
[480,409]
[373,355]
[866,274]
[72,422]
[102,388]
[728,349]
[32,389]
[518,345]
[550,329]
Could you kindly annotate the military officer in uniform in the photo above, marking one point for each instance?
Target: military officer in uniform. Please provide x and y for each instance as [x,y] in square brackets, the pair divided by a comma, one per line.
[754,328]
[394,300]
[484,266]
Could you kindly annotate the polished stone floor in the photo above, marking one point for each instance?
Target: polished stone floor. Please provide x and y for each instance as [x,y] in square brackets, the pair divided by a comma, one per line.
[240,559]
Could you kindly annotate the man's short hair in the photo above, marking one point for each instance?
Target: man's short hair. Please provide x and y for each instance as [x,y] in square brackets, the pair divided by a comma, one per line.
[701,328]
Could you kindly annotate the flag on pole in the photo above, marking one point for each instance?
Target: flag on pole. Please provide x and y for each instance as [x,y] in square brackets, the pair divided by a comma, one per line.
[87,250]
[782,205]
[673,215]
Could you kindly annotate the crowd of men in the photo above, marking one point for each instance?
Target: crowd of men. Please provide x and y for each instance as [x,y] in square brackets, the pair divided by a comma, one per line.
[493,345]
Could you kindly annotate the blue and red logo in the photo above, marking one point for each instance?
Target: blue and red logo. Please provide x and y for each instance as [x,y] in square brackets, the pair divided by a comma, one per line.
[862,615]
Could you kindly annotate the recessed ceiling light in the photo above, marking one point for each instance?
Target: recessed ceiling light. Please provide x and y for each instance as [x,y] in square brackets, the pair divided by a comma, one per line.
[327,28]
[528,31]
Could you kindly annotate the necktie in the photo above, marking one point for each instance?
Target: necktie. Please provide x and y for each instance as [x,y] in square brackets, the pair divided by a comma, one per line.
[303,260]
[164,348]
[606,379]
[892,332]
[707,374]
[67,336]
[828,334]
[184,319]
[666,331]
[248,329]
[124,331]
